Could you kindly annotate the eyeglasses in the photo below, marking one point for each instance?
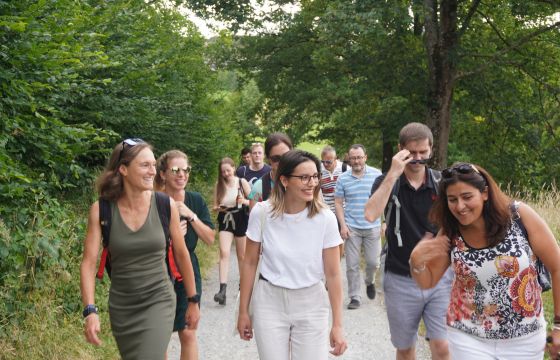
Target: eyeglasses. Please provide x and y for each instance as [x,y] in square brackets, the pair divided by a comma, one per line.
[327,162]
[305,179]
[131,143]
[460,169]
[175,170]
[275,158]
[355,158]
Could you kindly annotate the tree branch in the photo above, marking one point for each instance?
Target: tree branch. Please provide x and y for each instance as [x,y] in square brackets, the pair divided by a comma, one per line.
[468,18]
[511,47]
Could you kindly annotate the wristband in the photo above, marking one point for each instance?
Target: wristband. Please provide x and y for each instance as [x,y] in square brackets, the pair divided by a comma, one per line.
[89,309]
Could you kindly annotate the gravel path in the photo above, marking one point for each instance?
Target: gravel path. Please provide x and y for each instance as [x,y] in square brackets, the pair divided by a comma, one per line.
[366,329]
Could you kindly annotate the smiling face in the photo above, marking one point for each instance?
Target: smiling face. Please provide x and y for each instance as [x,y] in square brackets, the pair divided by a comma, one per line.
[466,202]
[227,171]
[297,189]
[176,180]
[141,171]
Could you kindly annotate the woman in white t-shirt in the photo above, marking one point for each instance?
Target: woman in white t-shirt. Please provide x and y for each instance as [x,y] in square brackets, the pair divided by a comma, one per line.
[300,239]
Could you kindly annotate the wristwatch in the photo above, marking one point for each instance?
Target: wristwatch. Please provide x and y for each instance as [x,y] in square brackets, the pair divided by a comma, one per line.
[195,298]
[89,309]
[192,218]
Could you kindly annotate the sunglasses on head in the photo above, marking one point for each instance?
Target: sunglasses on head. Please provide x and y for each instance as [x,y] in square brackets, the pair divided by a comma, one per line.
[275,158]
[131,143]
[175,169]
[459,169]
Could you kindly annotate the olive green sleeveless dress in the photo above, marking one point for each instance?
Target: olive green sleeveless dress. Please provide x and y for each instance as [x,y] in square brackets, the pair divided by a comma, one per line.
[141,298]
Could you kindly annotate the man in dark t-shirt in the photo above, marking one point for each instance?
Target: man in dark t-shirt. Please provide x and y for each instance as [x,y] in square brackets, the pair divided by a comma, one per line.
[257,168]
[414,185]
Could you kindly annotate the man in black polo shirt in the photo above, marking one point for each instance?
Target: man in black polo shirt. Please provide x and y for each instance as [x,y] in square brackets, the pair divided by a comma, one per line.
[407,192]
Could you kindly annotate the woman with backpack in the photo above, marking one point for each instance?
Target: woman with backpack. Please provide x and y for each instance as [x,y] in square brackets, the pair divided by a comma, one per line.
[230,200]
[492,245]
[299,239]
[141,297]
[173,171]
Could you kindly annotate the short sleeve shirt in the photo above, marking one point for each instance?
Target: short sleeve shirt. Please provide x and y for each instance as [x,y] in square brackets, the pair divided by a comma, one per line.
[293,244]
[355,192]
[251,176]
[256,193]
[414,224]
[195,202]
[328,184]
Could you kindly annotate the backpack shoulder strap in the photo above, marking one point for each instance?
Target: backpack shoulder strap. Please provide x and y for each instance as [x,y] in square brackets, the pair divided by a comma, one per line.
[436,178]
[344,167]
[105,220]
[164,212]
[514,207]
[266,188]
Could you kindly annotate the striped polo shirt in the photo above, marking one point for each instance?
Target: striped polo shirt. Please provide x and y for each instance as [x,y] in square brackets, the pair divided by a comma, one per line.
[355,192]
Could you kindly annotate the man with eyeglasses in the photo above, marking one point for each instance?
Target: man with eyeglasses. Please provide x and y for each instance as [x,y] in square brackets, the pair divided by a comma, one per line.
[407,192]
[276,145]
[330,171]
[351,195]
[256,169]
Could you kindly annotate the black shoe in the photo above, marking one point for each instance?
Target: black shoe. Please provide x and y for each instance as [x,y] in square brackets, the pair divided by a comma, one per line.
[220,297]
[370,290]
[354,304]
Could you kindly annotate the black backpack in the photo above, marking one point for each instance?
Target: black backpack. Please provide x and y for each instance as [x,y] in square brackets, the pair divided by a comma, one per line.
[105,219]
[435,175]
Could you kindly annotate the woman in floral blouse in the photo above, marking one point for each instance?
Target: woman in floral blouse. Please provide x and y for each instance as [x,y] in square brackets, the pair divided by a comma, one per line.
[492,244]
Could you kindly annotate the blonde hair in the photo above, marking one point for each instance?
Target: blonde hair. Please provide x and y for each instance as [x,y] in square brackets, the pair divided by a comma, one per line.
[163,164]
[288,163]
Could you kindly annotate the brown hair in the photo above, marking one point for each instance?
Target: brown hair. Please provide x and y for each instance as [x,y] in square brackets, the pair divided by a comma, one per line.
[110,183]
[288,163]
[163,165]
[274,139]
[496,211]
[220,188]
[415,131]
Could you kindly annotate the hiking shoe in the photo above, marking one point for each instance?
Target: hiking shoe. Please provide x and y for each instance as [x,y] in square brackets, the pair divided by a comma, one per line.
[370,290]
[354,304]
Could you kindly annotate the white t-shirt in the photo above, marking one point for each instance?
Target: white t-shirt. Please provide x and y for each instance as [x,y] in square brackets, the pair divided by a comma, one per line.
[293,245]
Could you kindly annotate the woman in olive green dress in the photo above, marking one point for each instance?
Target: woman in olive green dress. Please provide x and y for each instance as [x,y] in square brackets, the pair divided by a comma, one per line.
[141,298]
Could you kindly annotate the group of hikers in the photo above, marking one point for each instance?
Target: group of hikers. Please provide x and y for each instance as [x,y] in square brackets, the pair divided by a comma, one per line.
[459,254]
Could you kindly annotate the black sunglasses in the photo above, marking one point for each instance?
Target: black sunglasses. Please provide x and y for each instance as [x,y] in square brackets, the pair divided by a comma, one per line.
[275,158]
[459,169]
[419,161]
[327,162]
[131,143]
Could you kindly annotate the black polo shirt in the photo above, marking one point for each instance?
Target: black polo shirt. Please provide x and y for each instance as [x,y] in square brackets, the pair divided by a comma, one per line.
[415,206]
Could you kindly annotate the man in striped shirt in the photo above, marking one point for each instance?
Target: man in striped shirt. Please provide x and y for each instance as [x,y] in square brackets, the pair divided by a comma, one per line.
[330,171]
[352,191]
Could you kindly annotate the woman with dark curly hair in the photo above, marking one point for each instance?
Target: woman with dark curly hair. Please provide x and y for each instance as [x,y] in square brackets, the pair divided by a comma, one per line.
[492,245]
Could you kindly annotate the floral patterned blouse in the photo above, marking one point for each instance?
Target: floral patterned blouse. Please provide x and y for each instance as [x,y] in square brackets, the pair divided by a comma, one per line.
[495,292]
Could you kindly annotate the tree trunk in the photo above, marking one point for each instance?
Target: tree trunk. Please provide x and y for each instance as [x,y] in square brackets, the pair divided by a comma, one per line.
[441,42]
[387,152]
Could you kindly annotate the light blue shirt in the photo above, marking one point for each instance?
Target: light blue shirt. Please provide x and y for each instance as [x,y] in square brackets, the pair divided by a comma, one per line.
[355,192]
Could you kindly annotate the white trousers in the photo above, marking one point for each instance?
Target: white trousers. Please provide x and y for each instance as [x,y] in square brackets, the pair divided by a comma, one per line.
[467,347]
[291,324]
